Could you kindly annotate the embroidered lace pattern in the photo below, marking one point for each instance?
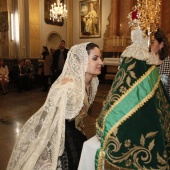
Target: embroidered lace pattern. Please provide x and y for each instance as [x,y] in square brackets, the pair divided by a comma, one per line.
[139,49]
[41,140]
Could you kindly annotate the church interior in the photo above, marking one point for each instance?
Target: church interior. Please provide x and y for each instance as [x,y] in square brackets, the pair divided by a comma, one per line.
[25,27]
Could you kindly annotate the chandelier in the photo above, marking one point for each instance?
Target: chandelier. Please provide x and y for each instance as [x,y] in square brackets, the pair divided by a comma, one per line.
[58,12]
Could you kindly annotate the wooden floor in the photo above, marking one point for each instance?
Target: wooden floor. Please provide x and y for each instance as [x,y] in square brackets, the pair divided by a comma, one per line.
[16,108]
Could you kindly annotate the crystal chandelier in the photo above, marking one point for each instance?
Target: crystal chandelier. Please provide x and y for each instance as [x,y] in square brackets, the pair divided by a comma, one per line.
[58,12]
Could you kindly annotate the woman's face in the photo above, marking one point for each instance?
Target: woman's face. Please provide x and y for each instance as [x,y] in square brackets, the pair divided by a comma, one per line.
[156,46]
[95,63]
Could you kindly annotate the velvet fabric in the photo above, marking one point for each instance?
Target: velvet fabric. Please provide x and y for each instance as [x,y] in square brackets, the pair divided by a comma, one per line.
[74,140]
[133,125]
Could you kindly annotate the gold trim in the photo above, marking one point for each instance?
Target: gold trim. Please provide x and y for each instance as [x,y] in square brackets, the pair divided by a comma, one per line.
[131,112]
[101,156]
[134,50]
[97,10]
[124,95]
[148,15]
[116,167]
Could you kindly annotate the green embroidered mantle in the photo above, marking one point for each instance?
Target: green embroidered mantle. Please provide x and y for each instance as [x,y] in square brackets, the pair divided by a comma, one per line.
[133,124]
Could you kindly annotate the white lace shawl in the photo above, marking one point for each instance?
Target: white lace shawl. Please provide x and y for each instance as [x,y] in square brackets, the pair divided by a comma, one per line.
[139,49]
[41,140]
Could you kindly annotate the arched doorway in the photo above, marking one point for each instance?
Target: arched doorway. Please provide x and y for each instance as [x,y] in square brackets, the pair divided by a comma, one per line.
[53,40]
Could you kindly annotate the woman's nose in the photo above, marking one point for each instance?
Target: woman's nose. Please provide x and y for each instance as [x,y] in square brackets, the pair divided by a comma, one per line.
[101,62]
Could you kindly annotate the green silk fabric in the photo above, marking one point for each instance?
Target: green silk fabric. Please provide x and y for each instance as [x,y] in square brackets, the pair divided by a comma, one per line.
[134,122]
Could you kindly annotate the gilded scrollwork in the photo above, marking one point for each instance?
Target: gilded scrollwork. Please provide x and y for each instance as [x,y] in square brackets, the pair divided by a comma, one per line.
[138,156]
[123,81]
[164,113]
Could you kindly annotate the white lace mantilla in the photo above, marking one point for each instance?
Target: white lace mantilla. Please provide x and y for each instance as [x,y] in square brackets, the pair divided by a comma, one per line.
[139,49]
[41,140]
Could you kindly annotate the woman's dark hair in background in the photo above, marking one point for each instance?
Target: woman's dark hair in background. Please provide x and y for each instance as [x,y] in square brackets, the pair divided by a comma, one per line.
[46,50]
[2,61]
[90,46]
[161,37]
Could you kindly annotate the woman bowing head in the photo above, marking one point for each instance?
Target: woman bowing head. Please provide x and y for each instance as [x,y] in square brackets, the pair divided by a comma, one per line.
[52,137]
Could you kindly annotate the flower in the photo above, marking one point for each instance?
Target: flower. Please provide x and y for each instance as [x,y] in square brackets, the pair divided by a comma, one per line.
[123,89]
[127,143]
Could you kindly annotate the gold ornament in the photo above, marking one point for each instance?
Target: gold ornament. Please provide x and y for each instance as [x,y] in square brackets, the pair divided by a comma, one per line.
[145,15]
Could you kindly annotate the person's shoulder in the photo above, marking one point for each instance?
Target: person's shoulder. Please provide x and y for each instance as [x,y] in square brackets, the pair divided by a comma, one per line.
[65,84]
[56,51]
[66,49]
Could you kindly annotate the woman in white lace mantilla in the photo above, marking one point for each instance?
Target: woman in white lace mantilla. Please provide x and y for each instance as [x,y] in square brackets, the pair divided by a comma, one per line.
[52,139]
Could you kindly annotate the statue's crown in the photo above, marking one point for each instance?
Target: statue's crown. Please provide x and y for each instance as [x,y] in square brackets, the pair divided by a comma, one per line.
[145,15]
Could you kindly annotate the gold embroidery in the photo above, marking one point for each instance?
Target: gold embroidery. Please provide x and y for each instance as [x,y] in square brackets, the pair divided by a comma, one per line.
[124,95]
[128,114]
[123,89]
[119,80]
[83,113]
[164,113]
[133,155]
[135,108]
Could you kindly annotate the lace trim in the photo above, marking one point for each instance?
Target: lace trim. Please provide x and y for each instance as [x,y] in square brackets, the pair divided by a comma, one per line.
[42,138]
[139,49]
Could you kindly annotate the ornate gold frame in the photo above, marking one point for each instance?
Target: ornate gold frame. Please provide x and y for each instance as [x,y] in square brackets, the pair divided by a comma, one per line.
[90,18]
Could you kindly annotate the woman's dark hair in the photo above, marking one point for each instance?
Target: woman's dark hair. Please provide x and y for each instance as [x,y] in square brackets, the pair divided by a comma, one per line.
[3,65]
[161,37]
[46,50]
[90,46]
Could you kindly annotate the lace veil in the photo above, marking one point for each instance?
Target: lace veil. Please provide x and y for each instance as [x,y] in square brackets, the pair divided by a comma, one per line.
[41,140]
[139,49]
